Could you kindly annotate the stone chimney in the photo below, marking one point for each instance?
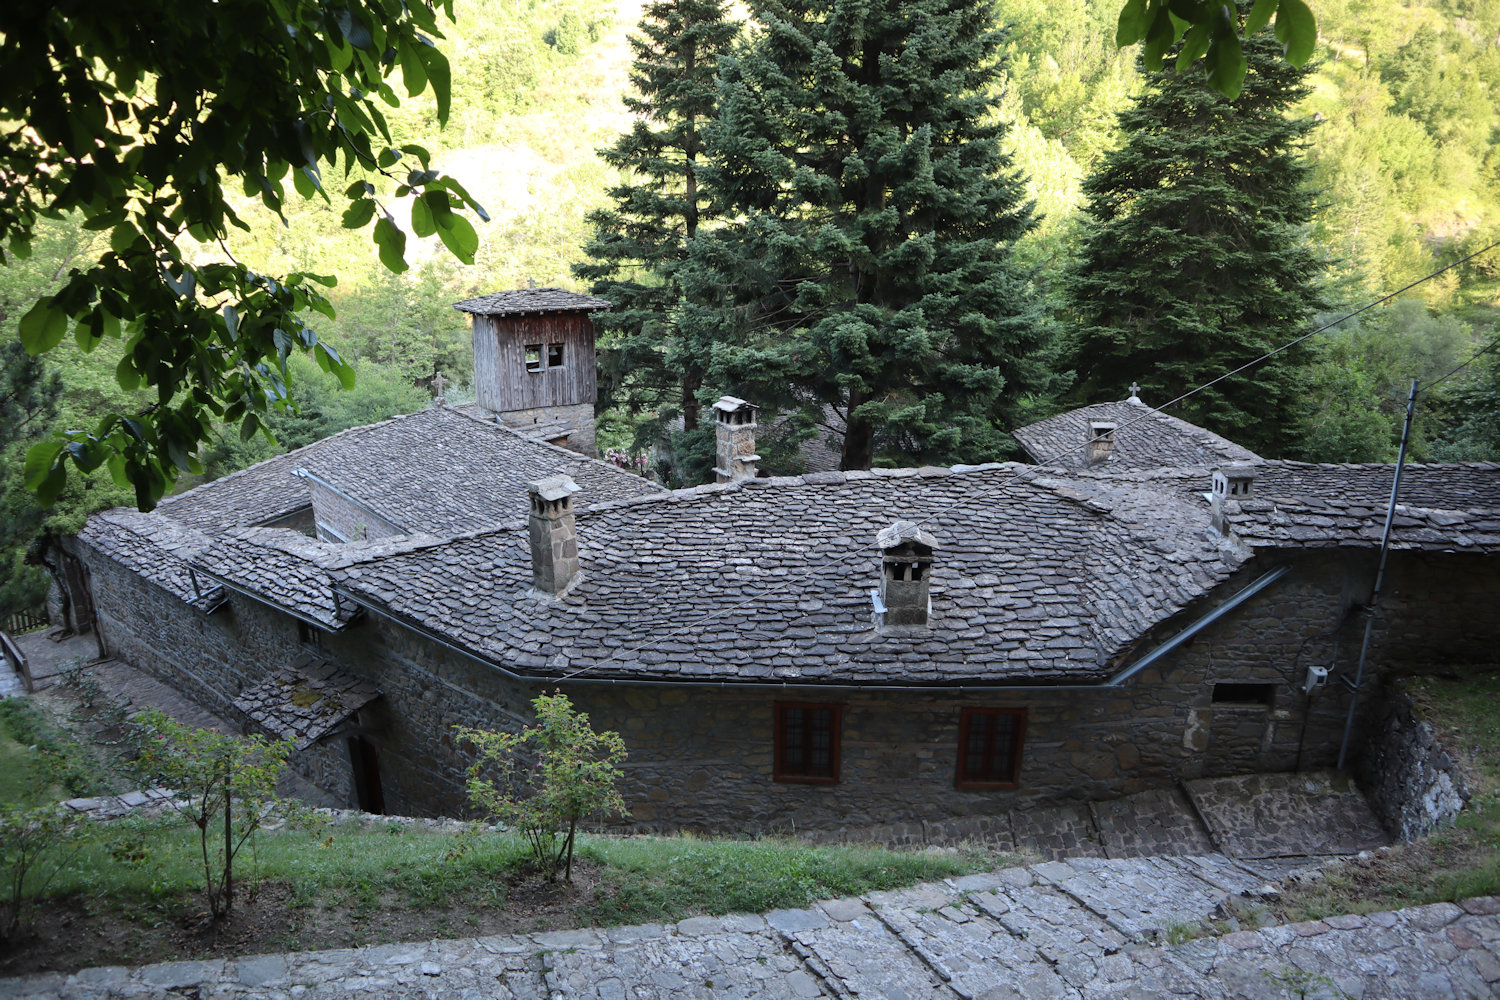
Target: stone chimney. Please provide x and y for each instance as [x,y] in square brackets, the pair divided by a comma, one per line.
[554,536]
[1236,482]
[905,574]
[1101,440]
[734,424]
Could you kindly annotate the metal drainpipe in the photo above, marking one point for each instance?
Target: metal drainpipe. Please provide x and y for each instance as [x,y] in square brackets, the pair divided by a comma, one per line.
[1385,545]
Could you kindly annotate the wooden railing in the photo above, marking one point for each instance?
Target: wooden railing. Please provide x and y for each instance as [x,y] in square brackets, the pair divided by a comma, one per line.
[11,658]
[21,622]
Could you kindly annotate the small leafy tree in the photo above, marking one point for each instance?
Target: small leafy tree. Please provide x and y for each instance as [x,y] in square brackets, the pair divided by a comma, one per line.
[36,842]
[223,783]
[545,779]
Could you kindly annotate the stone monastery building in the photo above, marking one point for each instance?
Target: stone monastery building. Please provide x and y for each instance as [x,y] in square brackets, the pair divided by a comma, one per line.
[1149,603]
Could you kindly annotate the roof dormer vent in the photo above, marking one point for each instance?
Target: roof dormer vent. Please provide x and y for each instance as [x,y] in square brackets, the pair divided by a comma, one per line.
[904,597]
[1101,439]
[734,427]
[554,534]
[1236,481]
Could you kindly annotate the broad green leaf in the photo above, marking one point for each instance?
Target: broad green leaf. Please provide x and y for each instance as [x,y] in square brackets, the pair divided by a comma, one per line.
[359,214]
[458,235]
[1259,16]
[422,223]
[126,375]
[116,463]
[40,459]
[392,243]
[1226,63]
[1296,30]
[249,426]
[1194,45]
[43,327]
[413,73]
[1131,27]
[437,73]
[232,323]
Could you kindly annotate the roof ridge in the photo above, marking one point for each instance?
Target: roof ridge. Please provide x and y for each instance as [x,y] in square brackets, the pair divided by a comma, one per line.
[495,423]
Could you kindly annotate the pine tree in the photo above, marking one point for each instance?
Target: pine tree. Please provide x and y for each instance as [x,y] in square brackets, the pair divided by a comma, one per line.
[1196,258]
[858,152]
[639,241]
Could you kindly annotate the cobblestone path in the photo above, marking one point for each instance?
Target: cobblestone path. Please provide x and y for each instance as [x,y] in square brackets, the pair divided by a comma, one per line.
[1071,930]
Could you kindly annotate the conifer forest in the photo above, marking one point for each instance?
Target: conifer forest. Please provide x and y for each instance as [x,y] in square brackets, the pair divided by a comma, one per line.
[922,224]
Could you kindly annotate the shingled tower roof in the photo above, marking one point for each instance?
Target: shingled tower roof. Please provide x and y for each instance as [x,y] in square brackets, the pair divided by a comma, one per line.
[530,300]
[1143,438]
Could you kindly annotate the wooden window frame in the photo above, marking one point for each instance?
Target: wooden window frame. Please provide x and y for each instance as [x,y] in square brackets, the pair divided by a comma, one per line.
[560,352]
[779,771]
[1017,747]
[540,362]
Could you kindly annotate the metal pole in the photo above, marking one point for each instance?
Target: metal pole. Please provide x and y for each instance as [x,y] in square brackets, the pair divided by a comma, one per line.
[1385,545]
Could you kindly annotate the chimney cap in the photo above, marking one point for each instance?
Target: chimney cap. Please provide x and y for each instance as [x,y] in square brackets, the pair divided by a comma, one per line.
[1239,470]
[733,404]
[902,532]
[553,487]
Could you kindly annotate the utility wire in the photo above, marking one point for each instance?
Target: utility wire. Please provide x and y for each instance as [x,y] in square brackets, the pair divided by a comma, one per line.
[1044,465]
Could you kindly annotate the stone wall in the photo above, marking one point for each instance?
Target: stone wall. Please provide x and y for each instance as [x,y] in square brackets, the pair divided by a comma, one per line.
[339,519]
[578,416]
[1413,783]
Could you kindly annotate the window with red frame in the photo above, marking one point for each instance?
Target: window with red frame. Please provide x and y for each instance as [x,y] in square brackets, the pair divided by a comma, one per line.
[989,747]
[807,742]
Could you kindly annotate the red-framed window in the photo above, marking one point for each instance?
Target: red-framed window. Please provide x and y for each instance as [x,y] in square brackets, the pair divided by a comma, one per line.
[807,742]
[989,747]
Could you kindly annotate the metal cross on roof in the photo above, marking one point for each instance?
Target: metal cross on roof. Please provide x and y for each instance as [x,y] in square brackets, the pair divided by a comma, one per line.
[1135,393]
[438,381]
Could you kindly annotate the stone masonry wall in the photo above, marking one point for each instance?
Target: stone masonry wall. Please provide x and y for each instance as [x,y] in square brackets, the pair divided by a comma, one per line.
[578,416]
[352,521]
[1413,783]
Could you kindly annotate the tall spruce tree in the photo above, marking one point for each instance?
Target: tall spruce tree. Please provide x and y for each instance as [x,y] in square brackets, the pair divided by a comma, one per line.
[1196,258]
[639,241]
[868,266]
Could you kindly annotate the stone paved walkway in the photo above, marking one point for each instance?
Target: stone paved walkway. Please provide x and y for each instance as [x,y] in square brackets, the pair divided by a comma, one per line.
[1076,930]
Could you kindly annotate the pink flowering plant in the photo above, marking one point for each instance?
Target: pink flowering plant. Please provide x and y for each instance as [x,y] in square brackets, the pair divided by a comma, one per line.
[634,461]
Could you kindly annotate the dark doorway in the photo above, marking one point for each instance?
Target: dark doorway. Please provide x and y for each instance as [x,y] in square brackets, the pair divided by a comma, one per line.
[366,765]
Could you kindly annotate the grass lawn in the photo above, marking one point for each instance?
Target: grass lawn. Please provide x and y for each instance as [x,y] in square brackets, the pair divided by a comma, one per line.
[1455,863]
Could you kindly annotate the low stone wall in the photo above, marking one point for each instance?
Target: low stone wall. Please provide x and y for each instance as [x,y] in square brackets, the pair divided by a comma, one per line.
[1413,783]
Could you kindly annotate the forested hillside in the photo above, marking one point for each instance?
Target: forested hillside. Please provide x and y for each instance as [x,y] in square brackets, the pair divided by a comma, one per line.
[1403,172]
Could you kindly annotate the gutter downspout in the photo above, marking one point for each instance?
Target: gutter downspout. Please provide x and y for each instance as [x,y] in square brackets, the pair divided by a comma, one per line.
[1385,547]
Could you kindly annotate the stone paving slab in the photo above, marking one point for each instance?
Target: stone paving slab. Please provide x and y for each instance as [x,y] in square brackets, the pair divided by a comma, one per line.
[1006,934]
[1143,898]
[1279,815]
[1153,823]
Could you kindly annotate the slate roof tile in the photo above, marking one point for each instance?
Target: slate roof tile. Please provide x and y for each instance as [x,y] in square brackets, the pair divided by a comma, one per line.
[1144,439]
[442,471]
[726,573]
[530,300]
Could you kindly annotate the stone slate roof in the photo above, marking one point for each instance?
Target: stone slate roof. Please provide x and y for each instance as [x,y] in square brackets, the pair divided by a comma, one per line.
[155,548]
[264,492]
[305,701]
[1153,439]
[770,580]
[531,300]
[1440,508]
[443,472]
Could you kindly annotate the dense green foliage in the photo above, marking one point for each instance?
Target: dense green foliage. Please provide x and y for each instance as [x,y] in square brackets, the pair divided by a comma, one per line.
[657,207]
[1194,260]
[868,268]
[137,119]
